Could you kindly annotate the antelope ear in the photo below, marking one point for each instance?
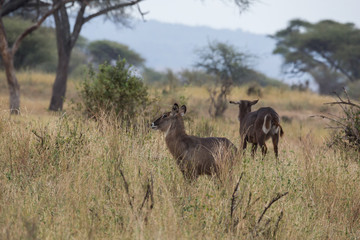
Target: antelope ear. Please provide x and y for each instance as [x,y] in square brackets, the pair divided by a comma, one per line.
[232,102]
[254,102]
[175,109]
[183,110]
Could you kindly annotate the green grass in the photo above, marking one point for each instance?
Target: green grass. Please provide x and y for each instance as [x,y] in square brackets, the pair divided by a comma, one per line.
[60,177]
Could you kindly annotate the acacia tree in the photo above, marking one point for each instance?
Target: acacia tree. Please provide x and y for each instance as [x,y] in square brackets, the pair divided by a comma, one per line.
[228,66]
[110,51]
[326,48]
[8,52]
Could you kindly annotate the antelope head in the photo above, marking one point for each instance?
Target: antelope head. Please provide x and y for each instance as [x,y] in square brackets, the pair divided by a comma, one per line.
[167,119]
[244,107]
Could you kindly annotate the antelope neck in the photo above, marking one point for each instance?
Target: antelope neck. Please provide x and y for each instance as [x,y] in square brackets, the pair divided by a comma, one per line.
[175,130]
[242,116]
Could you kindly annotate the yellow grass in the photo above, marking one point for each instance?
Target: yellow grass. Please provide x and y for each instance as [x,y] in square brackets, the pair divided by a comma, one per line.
[61,175]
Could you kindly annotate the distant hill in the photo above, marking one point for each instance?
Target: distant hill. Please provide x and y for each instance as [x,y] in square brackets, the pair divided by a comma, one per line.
[165,45]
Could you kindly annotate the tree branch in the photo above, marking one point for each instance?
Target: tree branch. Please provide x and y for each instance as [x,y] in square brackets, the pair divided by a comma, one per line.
[345,103]
[106,10]
[233,197]
[141,12]
[78,24]
[36,25]
[11,6]
[277,197]
[331,119]
[337,66]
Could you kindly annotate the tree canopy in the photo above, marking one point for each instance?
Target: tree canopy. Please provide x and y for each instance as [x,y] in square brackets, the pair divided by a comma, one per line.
[323,48]
[223,61]
[110,51]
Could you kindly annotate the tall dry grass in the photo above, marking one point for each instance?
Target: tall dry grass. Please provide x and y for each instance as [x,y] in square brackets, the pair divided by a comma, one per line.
[67,177]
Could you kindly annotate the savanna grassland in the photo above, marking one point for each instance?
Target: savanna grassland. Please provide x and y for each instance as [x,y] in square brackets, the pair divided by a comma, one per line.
[63,176]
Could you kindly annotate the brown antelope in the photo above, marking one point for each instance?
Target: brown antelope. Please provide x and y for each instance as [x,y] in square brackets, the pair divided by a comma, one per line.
[258,126]
[194,155]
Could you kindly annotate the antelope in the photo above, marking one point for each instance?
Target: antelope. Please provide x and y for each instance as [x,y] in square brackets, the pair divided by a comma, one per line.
[194,155]
[258,126]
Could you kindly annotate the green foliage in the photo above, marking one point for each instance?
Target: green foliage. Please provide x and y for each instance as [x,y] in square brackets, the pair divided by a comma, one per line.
[113,89]
[326,47]
[37,50]
[109,51]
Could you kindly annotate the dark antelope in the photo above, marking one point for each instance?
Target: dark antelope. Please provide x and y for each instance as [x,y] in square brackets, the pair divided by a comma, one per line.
[258,126]
[194,155]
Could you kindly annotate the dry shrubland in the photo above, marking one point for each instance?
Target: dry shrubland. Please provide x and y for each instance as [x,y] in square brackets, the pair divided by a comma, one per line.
[63,176]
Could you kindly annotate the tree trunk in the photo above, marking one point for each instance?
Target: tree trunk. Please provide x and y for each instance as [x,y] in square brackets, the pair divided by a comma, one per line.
[7,58]
[59,87]
[64,48]
[14,87]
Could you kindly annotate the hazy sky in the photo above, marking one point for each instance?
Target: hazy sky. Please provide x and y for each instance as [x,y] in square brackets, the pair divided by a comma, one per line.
[264,16]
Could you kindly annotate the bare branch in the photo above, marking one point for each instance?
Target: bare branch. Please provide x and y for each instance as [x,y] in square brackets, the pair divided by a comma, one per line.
[277,223]
[347,95]
[345,103]
[334,92]
[326,117]
[141,12]
[276,198]
[106,10]
[148,194]
[342,107]
[126,185]
[233,198]
[40,137]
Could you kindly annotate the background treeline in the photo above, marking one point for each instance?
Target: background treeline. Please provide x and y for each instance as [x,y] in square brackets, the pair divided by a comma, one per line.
[38,52]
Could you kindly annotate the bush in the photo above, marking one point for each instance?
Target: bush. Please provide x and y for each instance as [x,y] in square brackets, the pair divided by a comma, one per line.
[113,89]
[346,127]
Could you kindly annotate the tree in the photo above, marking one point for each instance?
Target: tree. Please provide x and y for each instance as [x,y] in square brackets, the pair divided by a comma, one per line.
[38,50]
[8,52]
[110,51]
[228,65]
[320,49]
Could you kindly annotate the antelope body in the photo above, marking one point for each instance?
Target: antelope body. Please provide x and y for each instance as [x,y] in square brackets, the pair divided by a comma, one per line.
[258,126]
[194,155]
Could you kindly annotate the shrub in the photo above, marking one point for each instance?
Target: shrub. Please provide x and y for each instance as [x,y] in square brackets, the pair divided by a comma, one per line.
[113,89]
[347,126]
